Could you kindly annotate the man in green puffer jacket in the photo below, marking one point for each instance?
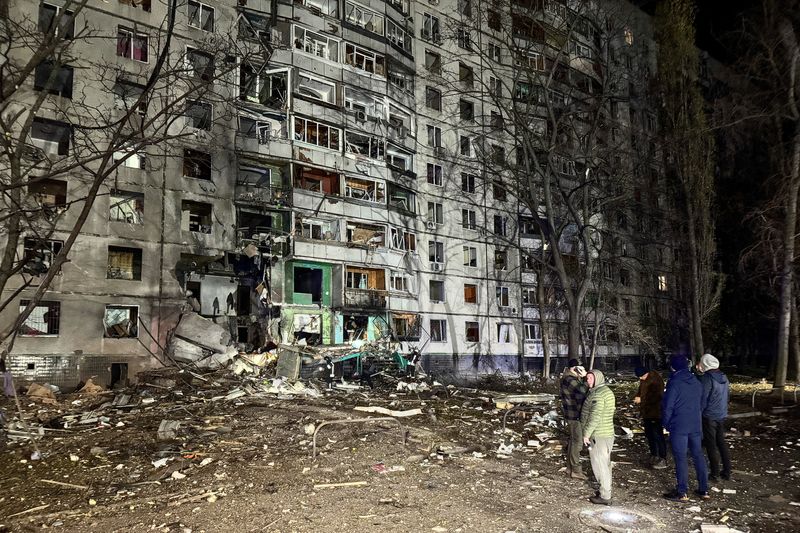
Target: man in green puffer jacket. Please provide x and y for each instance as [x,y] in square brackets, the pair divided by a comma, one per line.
[597,423]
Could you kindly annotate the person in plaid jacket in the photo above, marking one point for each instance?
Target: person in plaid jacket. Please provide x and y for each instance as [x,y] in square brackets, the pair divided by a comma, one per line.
[573,394]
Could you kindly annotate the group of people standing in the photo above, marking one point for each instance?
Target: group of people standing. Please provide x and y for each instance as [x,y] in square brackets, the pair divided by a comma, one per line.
[692,408]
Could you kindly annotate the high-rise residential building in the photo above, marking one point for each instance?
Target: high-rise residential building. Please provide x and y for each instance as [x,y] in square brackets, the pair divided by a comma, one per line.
[345,175]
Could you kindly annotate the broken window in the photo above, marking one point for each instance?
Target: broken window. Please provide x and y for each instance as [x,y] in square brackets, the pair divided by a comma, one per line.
[48,193]
[529,295]
[472,332]
[436,290]
[195,217]
[128,96]
[56,21]
[401,79]
[126,206]
[505,333]
[528,261]
[403,240]
[470,293]
[365,145]
[436,252]
[200,64]
[312,179]
[51,136]
[366,234]
[260,86]
[43,320]
[316,44]
[399,159]
[130,158]
[53,78]
[406,326]
[38,255]
[263,177]
[321,7]
[201,16]
[470,256]
[144,4]
[398,36]
[363,17]
[307,285]
[433,98]
[438,330]
[435,213]
[402,198]
[121,321]
[124,263]
[469,219]
[312,132]
[198,115]
[466,75]
[431,28]
[365,189]
[258,129]
[316,88]
[363,104]
[196,164]
[319,230]
[131,44]
[500,260]
[433,62]
[496,120]
[364,59]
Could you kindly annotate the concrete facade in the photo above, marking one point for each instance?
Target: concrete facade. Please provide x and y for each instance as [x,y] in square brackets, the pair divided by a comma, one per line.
[312,210]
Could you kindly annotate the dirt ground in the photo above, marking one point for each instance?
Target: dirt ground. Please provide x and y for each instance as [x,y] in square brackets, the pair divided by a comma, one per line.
[245,464]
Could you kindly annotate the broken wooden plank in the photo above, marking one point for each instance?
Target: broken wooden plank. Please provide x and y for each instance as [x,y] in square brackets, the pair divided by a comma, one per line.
[62,484]
[389,412]
[31,510]
[345,484]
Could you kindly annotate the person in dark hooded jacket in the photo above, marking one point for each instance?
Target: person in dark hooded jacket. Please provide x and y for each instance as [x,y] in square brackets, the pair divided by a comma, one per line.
[714,404]
[680,414]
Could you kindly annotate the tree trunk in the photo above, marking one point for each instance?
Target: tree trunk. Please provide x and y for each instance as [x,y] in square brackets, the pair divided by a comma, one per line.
[696,316]
[541,300]
[574,332]
[794,337]
[787,269]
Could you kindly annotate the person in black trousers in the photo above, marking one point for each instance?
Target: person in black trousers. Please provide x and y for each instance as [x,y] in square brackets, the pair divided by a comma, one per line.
[651,390]
[716,389]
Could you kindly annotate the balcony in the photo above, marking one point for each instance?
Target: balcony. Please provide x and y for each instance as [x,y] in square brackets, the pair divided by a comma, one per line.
[365,298]
[263,196]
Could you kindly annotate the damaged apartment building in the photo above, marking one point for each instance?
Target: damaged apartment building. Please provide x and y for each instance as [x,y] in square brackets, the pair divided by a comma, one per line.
[340,200]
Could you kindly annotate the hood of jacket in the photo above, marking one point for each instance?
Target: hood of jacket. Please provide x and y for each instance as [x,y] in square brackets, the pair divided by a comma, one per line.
[599,378]
[717,376]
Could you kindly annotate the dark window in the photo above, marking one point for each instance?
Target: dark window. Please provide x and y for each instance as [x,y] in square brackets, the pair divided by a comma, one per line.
[433,62]
[308,281]
[201,16]
[51,136]
[127,207]
[124,263]
[48,15]
[144,4]
[498,191]
[465,74]
[195,217]
[472,332]
[433,98]
[196,164]
[199,115]
[48,193]
[38,255]
[436,290]
[464,39]
[468,182]
[466,110]
[201,64]
[493,20]
[54,79]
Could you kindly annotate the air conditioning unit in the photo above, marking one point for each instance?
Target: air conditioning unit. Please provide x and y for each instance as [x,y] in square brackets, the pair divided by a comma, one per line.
[431,226]
[361,116]
[437,267]
[433,2]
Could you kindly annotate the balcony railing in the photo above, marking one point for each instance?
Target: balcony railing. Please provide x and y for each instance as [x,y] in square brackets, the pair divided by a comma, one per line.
[366,298]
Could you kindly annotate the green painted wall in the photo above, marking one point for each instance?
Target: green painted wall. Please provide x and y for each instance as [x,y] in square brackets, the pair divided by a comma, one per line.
[326,281]
[287,322]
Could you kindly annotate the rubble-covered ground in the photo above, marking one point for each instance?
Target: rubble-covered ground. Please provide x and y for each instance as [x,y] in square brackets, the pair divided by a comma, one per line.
[178,453]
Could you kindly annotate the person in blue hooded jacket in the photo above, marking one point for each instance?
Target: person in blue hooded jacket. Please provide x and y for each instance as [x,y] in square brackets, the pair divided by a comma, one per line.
[681,415]
[714,402]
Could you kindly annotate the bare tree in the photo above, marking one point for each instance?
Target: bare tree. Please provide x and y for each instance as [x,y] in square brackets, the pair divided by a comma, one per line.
[689,157]
[544,117]
[61,127]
